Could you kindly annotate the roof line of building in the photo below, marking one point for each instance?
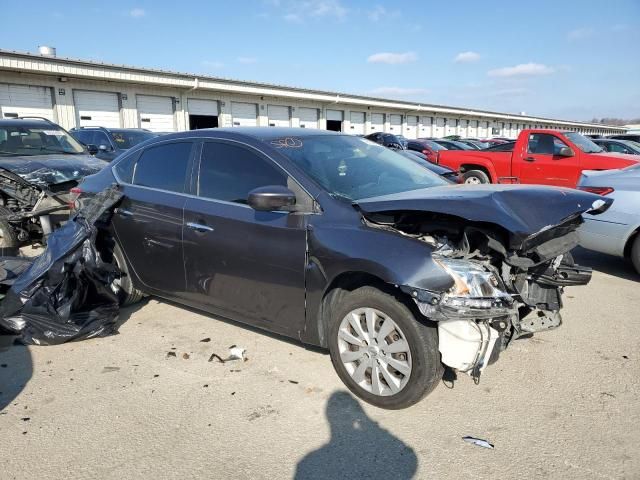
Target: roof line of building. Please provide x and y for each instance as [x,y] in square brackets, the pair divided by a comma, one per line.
[204,82]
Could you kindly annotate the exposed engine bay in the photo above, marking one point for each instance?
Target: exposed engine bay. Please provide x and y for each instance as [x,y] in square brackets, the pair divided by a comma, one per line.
[502,286]
[27,204]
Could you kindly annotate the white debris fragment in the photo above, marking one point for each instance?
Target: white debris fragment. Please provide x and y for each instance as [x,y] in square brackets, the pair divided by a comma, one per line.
[236,353]
[477,441]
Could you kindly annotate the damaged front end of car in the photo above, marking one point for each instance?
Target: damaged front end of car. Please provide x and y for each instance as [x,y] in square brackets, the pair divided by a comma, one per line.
[507,265]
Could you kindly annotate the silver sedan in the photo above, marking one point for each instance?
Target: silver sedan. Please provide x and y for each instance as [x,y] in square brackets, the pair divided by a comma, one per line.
[617,231]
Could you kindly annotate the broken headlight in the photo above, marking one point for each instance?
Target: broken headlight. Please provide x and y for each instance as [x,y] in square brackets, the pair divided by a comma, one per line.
[474,286]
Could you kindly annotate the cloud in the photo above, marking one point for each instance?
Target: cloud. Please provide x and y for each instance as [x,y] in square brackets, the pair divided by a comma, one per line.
[293,18]
[398,91]
[380,13]
[580,34]
[522,70]
[467,57]
[392,58]
[246,60]
[377,13]
[137,13]
[299,11]
[212,65]
[620,27]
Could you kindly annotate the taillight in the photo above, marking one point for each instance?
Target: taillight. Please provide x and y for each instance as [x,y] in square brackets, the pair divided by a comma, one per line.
[597,190]
[74,195]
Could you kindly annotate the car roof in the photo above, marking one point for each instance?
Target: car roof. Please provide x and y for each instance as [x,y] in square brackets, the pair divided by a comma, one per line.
[28,123]
[258,133]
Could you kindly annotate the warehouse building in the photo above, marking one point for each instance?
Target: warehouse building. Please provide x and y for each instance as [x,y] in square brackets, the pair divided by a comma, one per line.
[79,93]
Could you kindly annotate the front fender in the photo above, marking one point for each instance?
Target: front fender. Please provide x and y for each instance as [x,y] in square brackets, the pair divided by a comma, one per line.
[336,251]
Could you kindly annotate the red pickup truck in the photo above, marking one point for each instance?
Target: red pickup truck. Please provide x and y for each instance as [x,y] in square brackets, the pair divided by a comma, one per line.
[546,157]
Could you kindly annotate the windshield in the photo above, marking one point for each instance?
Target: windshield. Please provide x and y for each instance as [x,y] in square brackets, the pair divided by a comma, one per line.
[40,140]
[583,143]
[355,168]
[436,147]
[125,139]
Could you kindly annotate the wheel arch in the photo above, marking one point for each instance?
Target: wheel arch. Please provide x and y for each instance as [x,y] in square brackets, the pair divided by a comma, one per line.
[465,167]
[629,243]
[346,282]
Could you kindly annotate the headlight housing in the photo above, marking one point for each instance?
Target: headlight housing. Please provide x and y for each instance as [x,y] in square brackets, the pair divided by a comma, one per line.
[474,286]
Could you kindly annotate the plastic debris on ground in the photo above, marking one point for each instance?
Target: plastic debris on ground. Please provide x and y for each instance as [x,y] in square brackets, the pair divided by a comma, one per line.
[478,441]
[65,293]
[235,353]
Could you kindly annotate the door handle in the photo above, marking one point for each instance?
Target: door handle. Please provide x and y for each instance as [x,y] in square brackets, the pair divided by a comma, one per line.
[529,159]
[198,227]
[124,213]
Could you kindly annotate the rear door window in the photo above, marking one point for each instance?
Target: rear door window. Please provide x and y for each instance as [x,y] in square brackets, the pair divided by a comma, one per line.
[164,166]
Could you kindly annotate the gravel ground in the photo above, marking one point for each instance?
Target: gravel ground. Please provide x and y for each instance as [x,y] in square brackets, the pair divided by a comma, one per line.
[565,404]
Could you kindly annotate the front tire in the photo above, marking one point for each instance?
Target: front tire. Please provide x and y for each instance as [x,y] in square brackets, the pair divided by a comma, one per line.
[635,253]
[380,351]
[475,177]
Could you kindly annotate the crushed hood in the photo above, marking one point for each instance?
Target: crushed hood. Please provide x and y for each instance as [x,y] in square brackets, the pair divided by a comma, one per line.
[44,170]
[523,210]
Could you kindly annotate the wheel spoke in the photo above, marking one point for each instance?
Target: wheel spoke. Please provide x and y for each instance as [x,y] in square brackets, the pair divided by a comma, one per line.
[376,384]
[354,321]
[392,381]
[370,316]
[400,366]
[351,356]
[385,329]
[358,374]
[399,346]
[347,337]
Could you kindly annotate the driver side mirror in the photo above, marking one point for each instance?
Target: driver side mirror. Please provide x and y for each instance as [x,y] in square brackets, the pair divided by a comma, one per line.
[104,148]
[566,152]
[270,198]
[92,149]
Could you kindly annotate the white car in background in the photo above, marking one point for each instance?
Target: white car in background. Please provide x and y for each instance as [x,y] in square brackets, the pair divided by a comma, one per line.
[616,231]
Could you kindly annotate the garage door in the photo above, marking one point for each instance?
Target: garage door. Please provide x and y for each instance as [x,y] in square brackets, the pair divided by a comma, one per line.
[412,127]
[472,128]
[425,126]
[278,116]
[198,106]
[156,113]
[395,124]
[25,100]
[357,123]
[308,117]
[244,114]
[96,109]
[377,122]
[335,115]
[438,129]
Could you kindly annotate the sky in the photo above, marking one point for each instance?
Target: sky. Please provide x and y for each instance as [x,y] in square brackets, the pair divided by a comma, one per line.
[564,59]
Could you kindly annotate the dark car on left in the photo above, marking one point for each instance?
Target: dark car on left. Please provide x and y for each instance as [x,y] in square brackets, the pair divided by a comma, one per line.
[39,164]
[108,143]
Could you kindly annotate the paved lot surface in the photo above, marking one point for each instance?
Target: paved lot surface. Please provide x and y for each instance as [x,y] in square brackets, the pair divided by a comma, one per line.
[565,404]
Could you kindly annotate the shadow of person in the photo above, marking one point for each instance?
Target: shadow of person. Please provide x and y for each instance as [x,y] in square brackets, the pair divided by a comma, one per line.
[16,369]
[358,447]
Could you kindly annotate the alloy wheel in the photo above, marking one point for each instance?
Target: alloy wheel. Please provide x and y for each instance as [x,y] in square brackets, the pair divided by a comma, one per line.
[374,351]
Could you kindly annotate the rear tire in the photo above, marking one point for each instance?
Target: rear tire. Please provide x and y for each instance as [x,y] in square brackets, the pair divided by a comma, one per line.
[475,177]
[405,343]
[635,253]
[127,293]
[9,243]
